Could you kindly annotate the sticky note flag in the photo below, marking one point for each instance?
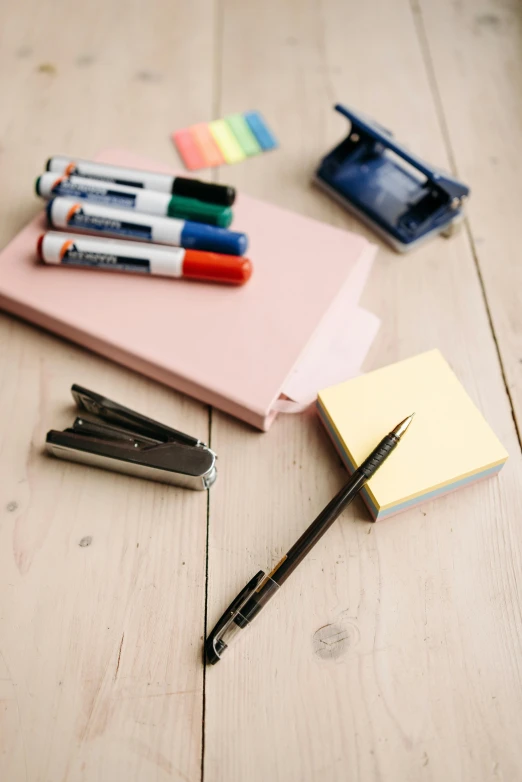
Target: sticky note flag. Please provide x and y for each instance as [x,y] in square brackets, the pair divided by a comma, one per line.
[228,140]
[260,129]
[207,145]
[243,134]
[189,150]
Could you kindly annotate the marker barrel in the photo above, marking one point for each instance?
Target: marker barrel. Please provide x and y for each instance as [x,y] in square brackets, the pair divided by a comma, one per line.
[149,180]
[99,191]
[68,249]
[75,215]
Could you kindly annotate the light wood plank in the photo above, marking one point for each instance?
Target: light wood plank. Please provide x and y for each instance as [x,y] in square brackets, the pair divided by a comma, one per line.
[102,585]
[425,683]
[475,50]
[102,577]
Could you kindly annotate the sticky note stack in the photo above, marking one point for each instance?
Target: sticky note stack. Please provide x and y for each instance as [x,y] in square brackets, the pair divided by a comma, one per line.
[448,445]
[228,140]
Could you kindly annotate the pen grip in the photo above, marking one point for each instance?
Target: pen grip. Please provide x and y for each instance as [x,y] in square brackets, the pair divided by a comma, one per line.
[376,458]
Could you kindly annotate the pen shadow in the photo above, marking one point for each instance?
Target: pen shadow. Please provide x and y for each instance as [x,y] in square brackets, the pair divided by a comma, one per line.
[360,513]
[313,440]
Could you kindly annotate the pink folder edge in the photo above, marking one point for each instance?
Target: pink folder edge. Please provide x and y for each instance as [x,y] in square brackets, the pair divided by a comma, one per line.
[261,419]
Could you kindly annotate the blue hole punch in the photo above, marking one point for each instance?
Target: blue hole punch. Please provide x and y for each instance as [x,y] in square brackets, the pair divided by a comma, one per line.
[401,197]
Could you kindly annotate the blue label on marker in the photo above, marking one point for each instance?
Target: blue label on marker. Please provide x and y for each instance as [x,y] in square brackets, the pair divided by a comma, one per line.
[109,225]
[121,263]
[75,171]
[94,194]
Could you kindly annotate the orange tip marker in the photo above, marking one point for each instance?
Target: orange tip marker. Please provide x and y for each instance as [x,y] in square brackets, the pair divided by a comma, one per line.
[64,249]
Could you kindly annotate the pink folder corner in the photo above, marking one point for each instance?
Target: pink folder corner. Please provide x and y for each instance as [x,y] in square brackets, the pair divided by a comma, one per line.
[229,347]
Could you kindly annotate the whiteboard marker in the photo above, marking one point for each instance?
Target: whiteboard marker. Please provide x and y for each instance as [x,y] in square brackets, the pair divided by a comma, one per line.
[68,213]
[99,191]
[136,177]
[68,249]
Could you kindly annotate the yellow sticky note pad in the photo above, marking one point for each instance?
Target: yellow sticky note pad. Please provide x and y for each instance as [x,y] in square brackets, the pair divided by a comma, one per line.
[448,445]
[226,141]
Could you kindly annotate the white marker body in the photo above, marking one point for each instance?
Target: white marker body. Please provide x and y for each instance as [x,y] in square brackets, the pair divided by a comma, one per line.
[102,192]
[111,254]
[96,218]
[124,176]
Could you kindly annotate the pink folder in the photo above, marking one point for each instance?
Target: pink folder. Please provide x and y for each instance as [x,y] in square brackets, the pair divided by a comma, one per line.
[234,348]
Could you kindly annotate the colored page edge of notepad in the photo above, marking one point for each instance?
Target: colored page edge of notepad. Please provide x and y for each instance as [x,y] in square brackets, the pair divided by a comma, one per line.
[450,431]
[384,511]
[189,151]
[207,144]
[246,139]
[260,129]
[428,383]
[226,141]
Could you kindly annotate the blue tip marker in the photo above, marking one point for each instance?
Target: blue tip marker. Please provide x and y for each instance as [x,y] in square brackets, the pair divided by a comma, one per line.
[260,129]
[198,236]
[85,216]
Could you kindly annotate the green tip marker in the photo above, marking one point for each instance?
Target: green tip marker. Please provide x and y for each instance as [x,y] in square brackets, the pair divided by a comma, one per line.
[50,185]
[199,211]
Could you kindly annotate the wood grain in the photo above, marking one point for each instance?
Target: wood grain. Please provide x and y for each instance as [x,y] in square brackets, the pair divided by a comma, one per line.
[390,653]
[102,577]
[474,52]
[393,652]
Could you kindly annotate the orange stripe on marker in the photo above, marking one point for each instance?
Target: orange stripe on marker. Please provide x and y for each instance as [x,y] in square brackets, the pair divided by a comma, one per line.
[71,168]
[57,181]
[65,246]
[72,211]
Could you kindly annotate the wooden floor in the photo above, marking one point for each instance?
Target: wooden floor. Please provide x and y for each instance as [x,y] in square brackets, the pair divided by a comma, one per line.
[107,583]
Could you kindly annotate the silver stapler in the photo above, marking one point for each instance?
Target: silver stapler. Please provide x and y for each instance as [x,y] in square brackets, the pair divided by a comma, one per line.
[116,438]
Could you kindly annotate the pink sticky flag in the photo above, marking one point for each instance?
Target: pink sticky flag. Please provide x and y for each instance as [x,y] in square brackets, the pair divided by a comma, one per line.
[207,145]
[189,151]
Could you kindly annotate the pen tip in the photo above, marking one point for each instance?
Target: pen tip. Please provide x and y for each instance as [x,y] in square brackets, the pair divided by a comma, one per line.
[401,428]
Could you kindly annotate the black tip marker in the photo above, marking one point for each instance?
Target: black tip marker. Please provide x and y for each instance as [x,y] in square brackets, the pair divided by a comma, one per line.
[224,195]
[204,191]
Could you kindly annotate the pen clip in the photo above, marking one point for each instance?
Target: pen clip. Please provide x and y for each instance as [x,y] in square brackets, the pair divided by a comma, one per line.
[215,645]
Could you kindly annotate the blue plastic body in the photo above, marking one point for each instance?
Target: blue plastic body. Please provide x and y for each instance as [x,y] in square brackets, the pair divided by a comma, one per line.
[198,236]
[265,137]
[401,196]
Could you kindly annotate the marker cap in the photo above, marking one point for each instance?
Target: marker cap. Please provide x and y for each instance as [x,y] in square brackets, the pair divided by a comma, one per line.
[216,267]
[39,246]
[198,236]
[48,210]
[199,211]
[204,191]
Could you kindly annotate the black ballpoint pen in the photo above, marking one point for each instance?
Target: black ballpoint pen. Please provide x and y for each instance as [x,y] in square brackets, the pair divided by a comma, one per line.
[262,587]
